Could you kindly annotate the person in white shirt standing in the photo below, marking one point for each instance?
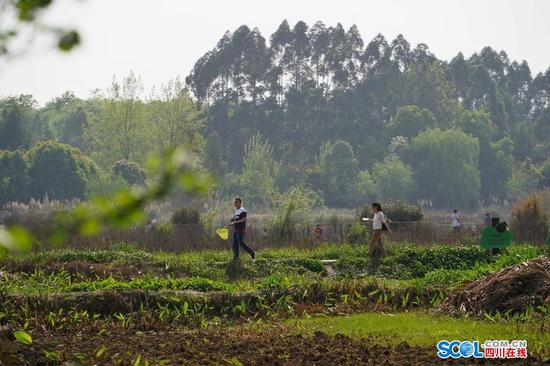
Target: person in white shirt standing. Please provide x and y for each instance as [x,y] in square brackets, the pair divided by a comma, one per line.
[379,225]
[455,220]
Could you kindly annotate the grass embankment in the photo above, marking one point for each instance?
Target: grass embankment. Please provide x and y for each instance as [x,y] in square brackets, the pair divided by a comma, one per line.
[418,328]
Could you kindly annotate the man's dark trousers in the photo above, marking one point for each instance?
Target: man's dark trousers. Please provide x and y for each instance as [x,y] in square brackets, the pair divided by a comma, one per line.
[238,240]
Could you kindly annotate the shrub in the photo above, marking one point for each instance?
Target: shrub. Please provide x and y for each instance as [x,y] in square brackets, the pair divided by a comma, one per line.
[417,261]
[312,265]
[37,216]
[529,222]
[350,265]
[358,234]
[13,176]
[186,216]
[131,172]
[58,171]
[292,211]
[398,211]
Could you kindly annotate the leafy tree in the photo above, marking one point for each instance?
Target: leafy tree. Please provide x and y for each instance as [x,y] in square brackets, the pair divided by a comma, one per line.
[13,176]
[21,124]
[446,170]
[131,172]
[428,88]
[398,147]
[542,125]
[74,128]
[292,211]
[365,187]
[545,172]
[12,132]
[295,50]
[176,118]
[58,171]
[495,161]
[524,180]
[119,131]
[459,73]
[320,40]
[340,169]
[394,180]
[257,182]
[214,154]
[410,120]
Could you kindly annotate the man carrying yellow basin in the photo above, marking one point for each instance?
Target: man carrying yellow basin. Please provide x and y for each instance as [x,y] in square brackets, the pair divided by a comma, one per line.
[238,221]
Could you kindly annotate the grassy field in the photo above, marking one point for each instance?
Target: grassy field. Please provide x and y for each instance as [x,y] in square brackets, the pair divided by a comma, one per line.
[423,328]
[60,295]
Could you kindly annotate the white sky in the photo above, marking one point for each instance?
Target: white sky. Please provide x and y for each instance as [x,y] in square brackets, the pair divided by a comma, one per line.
[162,39]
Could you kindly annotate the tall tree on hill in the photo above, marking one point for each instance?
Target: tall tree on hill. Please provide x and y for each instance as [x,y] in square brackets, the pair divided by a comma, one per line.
[459,75]
[320,39]
[540,93]
[401,53]
[518,82]
[296,51]
[428,88]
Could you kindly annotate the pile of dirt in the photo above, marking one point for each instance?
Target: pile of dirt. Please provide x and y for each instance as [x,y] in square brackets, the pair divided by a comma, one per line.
[511,289]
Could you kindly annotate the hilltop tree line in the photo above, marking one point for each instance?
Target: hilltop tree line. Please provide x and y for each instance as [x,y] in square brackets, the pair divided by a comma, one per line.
[313,107]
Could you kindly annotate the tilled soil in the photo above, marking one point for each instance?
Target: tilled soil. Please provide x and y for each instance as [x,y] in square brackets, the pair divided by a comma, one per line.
[221,346]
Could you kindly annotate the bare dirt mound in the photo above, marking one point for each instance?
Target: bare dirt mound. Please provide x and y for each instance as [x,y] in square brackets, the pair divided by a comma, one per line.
[511,289]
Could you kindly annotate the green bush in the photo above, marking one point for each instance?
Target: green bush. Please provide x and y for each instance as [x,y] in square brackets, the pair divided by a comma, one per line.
[358,234]
[13,176]
[186,216]
[124,247]
[132,173]
[351,265]
[452,278]
[312,265]
[417,261]
[529,221]
[397,211]
[104,256]
[58,171]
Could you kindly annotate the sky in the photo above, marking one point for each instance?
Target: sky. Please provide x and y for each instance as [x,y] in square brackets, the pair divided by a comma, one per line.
[161,39]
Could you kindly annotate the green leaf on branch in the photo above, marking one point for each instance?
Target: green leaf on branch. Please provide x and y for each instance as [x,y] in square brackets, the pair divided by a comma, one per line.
[15,239]
[68,40]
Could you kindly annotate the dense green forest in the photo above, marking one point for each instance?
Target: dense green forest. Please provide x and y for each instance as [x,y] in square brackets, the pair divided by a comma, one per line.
[313,107]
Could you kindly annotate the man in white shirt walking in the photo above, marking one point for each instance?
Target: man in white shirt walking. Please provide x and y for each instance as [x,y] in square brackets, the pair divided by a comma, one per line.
[239,226]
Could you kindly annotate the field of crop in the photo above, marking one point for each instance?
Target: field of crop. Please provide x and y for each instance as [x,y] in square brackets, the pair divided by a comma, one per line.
[324,305]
